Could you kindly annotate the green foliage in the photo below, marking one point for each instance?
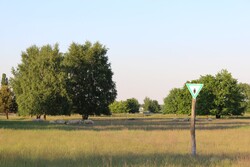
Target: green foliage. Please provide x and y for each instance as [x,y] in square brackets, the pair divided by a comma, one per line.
[177,102]
[172,101]
[7,98]
[48,82]
[228,95]
[39,83]
[205,101]
[89,83]
[246,91]
[220,95]
[133,105]
[119,107]
[151,105]
[13,105]
[4,80]
[129,106]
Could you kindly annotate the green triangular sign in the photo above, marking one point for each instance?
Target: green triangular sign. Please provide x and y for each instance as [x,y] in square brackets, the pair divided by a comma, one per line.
[194,89]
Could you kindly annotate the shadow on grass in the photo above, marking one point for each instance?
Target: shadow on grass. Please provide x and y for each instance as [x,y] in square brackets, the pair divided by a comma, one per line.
[148,160]
[140,124]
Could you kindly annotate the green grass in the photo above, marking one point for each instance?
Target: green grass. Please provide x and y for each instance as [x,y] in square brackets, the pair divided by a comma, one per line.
[124,141]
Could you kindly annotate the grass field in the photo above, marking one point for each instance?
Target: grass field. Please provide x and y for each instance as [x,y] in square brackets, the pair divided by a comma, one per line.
[127,140]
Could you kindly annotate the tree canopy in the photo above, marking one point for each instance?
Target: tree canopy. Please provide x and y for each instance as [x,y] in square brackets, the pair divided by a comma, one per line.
[4,80]
[129,106]
[119,107]
[7,98]
[246,90]
[133,105]
[89,83]
[151,105]
[50,82]
[220,95]
[39,82]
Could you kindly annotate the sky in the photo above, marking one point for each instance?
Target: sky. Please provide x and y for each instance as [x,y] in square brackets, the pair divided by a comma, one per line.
[154,45]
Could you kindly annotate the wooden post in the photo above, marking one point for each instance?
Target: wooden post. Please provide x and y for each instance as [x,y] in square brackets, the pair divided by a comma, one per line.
[192,129]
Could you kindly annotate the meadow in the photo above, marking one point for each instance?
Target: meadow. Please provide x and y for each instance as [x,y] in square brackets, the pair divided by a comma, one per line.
[124,140]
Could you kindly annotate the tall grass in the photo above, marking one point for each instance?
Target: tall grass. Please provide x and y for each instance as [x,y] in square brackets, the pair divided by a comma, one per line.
[81,145]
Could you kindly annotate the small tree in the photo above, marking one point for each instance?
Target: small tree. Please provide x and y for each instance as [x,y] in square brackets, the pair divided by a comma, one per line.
[5,100]
[119,107]
[133,105]
[172,101]
[4,81]
[151,105]
[6,95]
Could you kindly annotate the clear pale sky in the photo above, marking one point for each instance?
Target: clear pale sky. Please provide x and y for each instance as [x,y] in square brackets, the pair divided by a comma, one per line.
[154,45]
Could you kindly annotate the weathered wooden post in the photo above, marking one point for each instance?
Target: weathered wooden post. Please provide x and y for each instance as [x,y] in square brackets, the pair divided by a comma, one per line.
[192,128]
[194,89]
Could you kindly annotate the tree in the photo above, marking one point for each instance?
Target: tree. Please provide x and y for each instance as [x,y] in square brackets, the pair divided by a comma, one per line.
[246,91]
[13,105]
[5,100]
[151,105]
[172,101]
[177,102]
[39,82]
[228,95]
[220,95]
[89,83]
[4,80]
[6,97]
[119,107]
[133,105]
[205,100]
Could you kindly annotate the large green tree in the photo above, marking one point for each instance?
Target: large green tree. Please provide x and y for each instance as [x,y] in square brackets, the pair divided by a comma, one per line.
[90,84]
[39,83]
[228,95]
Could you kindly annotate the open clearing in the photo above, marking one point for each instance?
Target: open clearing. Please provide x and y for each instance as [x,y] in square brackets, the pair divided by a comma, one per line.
[124,141]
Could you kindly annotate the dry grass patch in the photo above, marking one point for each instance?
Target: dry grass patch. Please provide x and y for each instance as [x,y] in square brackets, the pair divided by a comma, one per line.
[122,142]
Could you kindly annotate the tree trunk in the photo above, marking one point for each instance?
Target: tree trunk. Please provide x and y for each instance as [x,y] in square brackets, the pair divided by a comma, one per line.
[44,116]
[217,116]
[85,116]
[38,116]
[7,114]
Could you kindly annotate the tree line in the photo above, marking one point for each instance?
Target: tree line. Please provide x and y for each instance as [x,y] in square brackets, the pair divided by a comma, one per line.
[132,106]
[49,82]
[220,95]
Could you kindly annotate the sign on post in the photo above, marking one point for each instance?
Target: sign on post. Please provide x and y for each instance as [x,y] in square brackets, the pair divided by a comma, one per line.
[194,89]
